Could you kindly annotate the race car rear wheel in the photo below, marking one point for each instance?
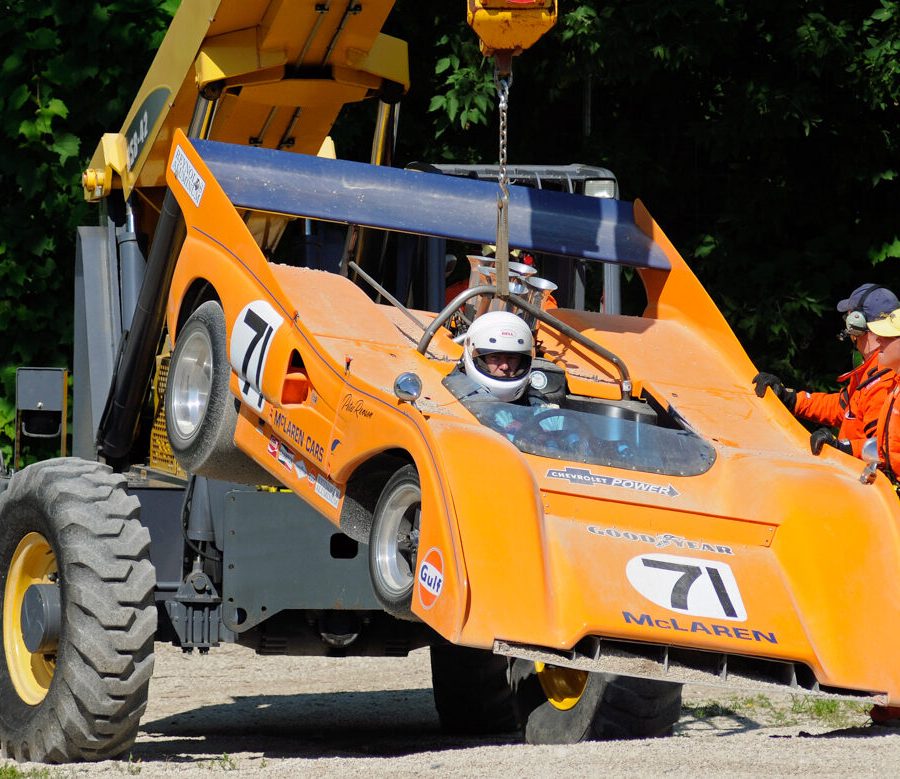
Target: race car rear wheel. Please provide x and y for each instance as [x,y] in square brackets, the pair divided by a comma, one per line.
[472,693]
[201,412]
[77,614]
[567,706]
[394,542]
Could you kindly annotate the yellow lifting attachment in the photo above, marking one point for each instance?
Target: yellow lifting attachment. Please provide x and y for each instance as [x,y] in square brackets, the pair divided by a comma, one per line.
[508,27]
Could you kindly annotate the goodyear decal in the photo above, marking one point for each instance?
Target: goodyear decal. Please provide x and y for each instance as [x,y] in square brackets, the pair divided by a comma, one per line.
[590,479]
[700,588]
[187,175]
[696,626]
[661,541]
[431,577]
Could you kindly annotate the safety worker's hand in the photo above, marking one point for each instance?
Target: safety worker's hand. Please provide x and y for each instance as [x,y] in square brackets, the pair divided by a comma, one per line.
[785,395]
[818,439]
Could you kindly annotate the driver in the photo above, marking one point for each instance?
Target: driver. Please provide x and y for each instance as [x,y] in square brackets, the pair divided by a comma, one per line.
[496,362]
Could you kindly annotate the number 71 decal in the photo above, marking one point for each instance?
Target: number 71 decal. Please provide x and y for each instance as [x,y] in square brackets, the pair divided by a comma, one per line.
[701,588]
[251,338]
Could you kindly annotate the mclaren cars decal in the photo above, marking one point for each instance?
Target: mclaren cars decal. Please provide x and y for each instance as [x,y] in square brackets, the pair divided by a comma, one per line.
[589,479]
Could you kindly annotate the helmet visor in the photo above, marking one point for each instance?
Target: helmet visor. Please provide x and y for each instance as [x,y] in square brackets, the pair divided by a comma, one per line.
[503,366]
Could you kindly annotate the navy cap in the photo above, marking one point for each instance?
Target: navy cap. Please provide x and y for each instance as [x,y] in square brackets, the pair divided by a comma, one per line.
[872,299]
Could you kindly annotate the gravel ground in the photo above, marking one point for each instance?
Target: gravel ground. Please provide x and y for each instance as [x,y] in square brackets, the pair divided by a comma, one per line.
[273,716]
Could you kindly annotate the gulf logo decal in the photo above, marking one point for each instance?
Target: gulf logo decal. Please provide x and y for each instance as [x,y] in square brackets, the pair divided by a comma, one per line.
[431,577]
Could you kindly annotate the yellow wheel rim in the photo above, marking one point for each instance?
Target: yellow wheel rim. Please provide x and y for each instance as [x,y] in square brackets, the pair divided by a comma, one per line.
[562,686]
[33,562]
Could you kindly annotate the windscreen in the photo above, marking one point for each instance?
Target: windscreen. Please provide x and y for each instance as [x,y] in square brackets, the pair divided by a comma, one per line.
[578,436]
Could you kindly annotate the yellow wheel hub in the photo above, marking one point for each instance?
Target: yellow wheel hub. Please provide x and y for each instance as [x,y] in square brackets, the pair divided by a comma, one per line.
[33,562]
[562,686]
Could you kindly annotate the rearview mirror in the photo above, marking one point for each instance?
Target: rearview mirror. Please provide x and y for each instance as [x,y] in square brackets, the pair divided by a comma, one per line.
[408,387]
[869,454]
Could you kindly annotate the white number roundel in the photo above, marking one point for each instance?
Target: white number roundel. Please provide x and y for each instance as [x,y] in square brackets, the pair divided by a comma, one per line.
[688,585]
[251,338]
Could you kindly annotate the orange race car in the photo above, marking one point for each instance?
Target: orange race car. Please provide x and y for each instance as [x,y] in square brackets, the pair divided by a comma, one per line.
[652,518]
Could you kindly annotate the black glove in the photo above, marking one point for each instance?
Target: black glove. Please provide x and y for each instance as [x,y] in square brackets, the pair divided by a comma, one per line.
[818,439]
[785,395]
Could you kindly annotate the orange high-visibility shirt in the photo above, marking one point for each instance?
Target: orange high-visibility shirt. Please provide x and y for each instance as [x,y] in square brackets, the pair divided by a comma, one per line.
[854,410]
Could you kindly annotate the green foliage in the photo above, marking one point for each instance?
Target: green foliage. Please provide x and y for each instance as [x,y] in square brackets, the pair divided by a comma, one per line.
[63,82]
[466,97]
[12,771]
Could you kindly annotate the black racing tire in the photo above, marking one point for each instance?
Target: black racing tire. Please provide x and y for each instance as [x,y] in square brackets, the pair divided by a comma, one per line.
[602,707]
[70,525]
[472,693]
[201,412]
[394,542]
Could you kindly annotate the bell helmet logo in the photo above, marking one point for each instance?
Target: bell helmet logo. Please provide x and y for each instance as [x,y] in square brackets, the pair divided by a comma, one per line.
[431,577]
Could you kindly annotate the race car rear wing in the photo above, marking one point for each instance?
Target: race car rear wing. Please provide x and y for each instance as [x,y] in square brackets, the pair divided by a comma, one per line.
[596,229]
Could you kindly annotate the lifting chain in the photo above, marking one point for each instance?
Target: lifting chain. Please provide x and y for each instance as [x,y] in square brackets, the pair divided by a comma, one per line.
[503,83]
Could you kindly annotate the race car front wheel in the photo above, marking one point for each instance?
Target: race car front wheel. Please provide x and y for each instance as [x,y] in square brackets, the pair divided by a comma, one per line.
[77,613]
[394,542]
[201,412]
[567,706]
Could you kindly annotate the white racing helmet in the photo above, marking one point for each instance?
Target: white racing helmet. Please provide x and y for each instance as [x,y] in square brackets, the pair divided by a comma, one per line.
[499,331]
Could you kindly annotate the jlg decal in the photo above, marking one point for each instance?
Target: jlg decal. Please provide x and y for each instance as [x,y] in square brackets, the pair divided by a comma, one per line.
[250,342]
[701,588]
[431,577]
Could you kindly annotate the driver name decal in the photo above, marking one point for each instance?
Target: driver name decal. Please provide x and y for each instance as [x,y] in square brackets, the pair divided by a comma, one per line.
[591,479]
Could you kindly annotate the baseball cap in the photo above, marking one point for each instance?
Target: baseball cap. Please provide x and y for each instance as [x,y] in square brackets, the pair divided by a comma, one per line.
[872,299]
[888,327]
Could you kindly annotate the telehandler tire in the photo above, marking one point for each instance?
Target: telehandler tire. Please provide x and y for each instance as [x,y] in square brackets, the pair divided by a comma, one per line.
[472,692]
[394,542]
[77,613]
[567,706]
[201,412]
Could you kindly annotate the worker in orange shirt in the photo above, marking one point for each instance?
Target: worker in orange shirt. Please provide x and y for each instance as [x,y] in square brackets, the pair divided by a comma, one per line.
[854,410]
[887,432]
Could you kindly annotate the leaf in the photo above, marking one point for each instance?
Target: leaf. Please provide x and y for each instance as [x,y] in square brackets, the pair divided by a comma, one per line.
[66,146]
